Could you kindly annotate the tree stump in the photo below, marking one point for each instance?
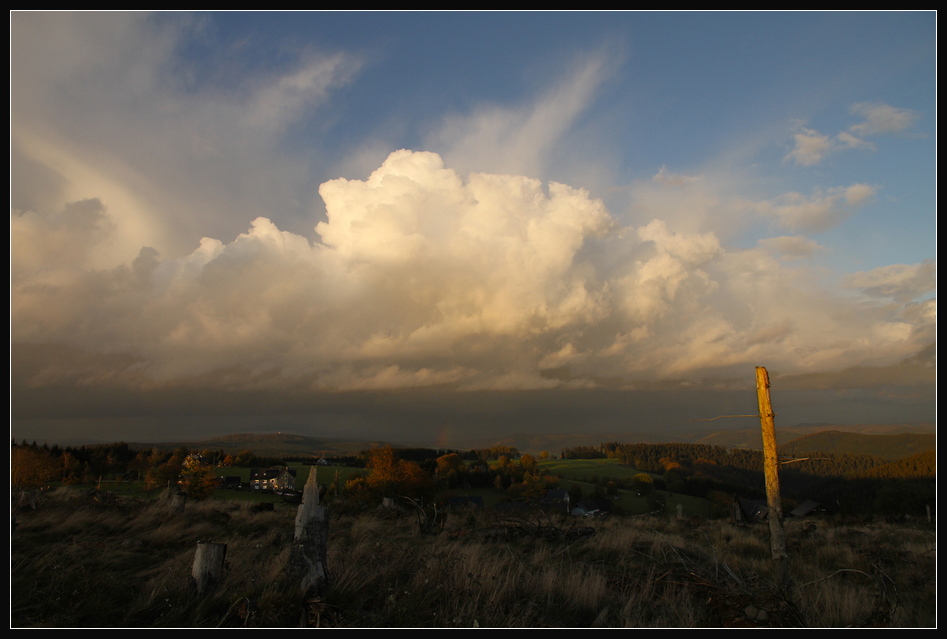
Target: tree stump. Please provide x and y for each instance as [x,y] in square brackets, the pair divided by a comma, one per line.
[177,501]
[311,540]
[208,564]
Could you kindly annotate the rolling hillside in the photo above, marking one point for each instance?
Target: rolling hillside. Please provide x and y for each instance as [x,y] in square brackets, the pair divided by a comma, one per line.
[887,446]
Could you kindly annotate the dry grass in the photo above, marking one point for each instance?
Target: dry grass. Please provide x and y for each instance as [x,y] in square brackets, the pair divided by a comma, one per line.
[76,562]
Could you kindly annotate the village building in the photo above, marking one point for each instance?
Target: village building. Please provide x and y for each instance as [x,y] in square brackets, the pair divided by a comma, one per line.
[275,479]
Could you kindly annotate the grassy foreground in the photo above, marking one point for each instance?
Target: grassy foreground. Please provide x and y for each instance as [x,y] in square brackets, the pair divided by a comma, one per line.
[80,561]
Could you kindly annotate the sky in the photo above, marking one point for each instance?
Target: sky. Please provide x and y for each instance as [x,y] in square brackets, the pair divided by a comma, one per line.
[434,226]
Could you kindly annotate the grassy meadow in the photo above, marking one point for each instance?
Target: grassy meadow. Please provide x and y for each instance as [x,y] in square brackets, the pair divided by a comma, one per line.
[86,560]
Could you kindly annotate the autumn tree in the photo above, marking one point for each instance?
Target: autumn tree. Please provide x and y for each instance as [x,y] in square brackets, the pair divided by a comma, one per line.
[528,463]
[168,473]
[450,462]
[139,464]
[393,477]
[198,477]
[69,466]
[244,458]
[451,468]
[31,466]
[642,484]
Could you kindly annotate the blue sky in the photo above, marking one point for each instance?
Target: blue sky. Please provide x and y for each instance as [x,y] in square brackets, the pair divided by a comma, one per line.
[505,202]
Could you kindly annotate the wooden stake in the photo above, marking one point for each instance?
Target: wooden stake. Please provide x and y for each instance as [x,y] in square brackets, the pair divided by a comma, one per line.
[771,470]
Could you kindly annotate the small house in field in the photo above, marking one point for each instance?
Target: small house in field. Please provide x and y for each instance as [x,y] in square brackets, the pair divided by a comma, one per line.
[275,479]
[754,509]
[231,482]
[810,507]
[592,507]
[556,498]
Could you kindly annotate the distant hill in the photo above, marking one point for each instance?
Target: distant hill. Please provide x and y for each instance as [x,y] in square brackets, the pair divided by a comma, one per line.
[293,445]
[919,465]
[734,438]
[887,446]
[753,439]
[274,445]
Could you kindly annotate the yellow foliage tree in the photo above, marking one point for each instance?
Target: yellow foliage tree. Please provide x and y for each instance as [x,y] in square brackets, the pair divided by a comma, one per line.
[31,467]
[199,478]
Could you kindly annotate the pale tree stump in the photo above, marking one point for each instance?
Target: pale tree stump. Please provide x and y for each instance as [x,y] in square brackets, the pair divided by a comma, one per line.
[177,501]
[311,540]
[208,564]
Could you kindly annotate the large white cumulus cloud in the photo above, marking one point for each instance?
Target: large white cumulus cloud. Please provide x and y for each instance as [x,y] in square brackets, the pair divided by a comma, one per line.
[425,276]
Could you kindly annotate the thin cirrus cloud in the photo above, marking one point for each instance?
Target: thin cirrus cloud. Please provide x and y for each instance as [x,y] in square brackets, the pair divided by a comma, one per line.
[521,139]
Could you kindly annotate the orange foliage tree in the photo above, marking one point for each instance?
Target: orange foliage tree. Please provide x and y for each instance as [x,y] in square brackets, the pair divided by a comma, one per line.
[394,477]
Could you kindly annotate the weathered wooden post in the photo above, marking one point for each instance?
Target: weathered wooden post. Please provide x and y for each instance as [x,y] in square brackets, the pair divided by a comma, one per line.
[178,500]
[311,540]
[771,471]
[208,564]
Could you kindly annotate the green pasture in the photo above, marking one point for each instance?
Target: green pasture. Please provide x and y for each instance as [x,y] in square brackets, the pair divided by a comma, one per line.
[581,469]
[571,471]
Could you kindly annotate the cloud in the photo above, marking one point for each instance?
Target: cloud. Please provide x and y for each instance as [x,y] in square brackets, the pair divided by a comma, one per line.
[882,119]
[521,139]
[849,141]
[901,282]
[671,180]
[811,147]
[428,277]
[792,247]
[161,224]
[283,100]
[918,370]
[821,211]
[114,107]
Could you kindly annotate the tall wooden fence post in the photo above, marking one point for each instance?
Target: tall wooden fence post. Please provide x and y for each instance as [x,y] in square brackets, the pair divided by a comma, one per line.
[311,540]
[771,470]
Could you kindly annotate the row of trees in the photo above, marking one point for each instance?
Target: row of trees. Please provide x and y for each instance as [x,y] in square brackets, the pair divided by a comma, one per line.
[34,466]
[389,475]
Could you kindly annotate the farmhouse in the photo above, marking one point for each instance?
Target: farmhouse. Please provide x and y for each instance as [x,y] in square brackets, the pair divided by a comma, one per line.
[273,479]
